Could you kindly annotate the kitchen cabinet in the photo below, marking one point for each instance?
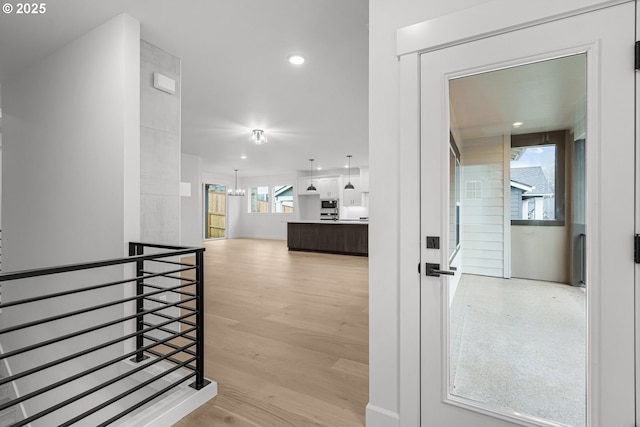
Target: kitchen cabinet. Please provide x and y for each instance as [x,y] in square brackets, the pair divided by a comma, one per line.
[331,237]
[352,197]
[328,188]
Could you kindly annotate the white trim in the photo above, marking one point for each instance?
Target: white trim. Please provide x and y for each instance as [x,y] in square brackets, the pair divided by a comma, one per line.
[505,16]
[518,185]
[637,226]
[380,417]
[506,222]
[410,242]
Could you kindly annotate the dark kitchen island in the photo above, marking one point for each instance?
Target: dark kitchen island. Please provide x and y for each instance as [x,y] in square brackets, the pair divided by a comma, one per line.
[335,237]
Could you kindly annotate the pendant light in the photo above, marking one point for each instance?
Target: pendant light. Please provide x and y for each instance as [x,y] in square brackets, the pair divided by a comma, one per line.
[349,185]
[311,188]
[236,191]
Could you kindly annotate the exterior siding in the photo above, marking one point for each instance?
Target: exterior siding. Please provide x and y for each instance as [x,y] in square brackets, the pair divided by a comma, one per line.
[483,206]
[516,205]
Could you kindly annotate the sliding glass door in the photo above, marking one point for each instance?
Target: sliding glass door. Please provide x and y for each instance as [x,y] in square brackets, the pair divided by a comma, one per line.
[215,211]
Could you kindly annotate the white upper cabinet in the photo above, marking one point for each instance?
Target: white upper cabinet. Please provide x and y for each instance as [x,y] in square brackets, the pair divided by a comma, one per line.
[328,188]
[351,197]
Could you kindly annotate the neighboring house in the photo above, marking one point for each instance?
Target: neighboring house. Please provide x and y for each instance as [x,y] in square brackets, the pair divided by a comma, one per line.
[532,196]
[283,199]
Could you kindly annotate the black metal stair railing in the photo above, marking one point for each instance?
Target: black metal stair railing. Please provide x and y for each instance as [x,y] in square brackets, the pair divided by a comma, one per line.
[169,340]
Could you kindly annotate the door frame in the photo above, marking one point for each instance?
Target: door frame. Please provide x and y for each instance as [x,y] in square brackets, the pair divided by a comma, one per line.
[485,20]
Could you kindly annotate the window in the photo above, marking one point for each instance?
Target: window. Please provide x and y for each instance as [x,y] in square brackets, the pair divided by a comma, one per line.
[537,178]
[259,200]
[283,199]
[474,189]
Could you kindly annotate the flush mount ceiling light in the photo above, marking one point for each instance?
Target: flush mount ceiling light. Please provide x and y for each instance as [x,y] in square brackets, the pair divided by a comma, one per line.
[311,188]
[517,124]
[257,136]
[296,59]
[349,185]
[236,191]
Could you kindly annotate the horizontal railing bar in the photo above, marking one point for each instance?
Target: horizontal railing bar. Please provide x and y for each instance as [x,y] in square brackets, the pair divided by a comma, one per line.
[81,311]
[189,294]
[169,344]
[85,394]
[84,352]
[183,307]
[163,246]
[82,332]
[50,387]
[171,359]
[121,395]
[158,301]
[164,261]
[90,288]
[95,264]
[166,316]
[168,331]
[168,275]
[147,400]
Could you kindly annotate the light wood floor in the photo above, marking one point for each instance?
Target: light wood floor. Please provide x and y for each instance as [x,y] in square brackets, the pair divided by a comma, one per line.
[286,336]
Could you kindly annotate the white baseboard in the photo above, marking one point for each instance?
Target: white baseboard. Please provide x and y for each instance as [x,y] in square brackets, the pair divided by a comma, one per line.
[172,408]
[380,417]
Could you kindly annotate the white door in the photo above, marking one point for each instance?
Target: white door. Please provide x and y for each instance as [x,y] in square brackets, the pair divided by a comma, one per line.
[507,340]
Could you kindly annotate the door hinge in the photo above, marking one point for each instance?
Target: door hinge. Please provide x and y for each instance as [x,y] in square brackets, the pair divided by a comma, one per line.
[636,249]
[637,57]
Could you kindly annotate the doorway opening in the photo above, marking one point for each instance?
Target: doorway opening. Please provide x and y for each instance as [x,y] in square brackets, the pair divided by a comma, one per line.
[215,211]
[517,231]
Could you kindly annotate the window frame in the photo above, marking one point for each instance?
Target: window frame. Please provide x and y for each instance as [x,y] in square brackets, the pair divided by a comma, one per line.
[273,199]
[558,139]
[269,197]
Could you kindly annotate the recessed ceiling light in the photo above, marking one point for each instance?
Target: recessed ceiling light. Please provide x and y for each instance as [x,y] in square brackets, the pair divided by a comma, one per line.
[243,157]
[319,168]
[517,124]
[296,59]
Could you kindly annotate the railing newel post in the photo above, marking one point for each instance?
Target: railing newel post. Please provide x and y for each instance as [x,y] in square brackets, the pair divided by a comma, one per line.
[138,249]
[200,381]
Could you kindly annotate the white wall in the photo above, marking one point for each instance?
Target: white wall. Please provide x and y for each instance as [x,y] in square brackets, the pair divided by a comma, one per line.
[539,253]
[0,182]
[265,225]
[385,17]
[70,180]
[191,213]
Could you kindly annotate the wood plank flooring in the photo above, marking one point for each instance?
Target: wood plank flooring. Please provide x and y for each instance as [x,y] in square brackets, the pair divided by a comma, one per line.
[286,337]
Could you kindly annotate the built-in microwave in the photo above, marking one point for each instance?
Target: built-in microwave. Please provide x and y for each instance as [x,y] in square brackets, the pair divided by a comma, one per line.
[329,204]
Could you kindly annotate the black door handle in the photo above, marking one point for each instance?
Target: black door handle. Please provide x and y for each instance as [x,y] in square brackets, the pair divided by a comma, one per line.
[434,270]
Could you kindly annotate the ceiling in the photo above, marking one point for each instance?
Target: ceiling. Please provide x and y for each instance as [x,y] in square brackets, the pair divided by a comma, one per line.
[543,96]
[235,73]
